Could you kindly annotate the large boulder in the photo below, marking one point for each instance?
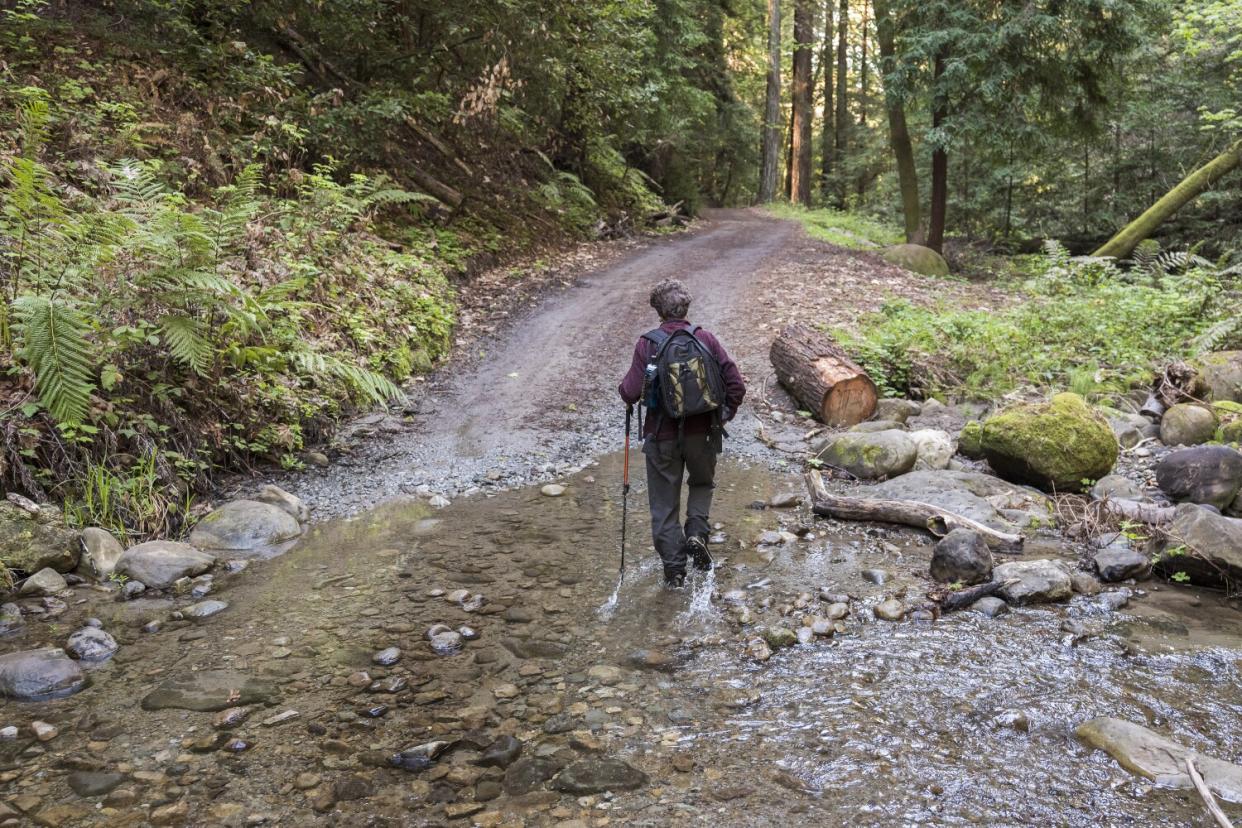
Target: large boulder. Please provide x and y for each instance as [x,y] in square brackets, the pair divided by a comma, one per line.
[100,553]
[1202,474]
[30,541]
[1220,376]
[1038,582]
[962,555]
[1059,445]
[871,456]
[34,675]
[935,448]
[159,563]
[1159,759]
[917,258]
[1204,545]
[980,497]
[245,526]
[1187,424]
[970,440]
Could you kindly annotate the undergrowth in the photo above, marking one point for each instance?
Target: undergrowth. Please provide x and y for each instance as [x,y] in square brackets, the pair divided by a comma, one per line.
[1084,323]
[844,229]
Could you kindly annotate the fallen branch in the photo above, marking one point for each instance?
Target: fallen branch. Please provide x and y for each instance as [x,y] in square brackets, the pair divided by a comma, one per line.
[958,599]
[1142,512]
[1206,793]
[906,512]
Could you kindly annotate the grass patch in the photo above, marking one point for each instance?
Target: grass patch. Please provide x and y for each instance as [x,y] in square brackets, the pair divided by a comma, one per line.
[1082,323]
[851,230]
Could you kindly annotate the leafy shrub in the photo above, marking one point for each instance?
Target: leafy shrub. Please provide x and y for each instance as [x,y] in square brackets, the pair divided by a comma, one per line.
[1079,321]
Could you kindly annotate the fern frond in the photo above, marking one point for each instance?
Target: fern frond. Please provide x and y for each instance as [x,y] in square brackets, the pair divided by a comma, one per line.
[186,342]
[1218,336]
[34,115]
[372,387]
[134,184]
[54,345]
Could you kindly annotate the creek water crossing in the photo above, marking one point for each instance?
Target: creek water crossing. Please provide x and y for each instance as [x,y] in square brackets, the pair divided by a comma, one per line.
[964,720]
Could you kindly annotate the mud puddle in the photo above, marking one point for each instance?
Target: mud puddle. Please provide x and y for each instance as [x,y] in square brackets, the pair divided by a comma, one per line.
[961,720]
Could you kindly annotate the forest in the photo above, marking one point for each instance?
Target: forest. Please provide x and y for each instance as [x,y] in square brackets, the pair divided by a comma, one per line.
[231,170]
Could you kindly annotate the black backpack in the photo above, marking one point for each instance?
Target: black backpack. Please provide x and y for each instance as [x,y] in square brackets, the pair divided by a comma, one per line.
[683,376]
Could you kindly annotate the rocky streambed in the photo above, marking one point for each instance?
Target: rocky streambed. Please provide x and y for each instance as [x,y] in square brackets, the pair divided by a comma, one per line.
[417,666]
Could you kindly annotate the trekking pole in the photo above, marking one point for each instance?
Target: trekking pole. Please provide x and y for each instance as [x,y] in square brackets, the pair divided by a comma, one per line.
[625,485]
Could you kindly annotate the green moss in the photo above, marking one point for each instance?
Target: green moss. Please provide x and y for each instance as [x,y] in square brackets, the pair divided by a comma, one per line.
[1057,445]
[970,440]
[916,258]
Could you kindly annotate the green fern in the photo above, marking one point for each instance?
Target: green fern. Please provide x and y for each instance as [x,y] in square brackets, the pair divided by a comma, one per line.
[371,387]
[186,342]
[54,345]
[1219,336]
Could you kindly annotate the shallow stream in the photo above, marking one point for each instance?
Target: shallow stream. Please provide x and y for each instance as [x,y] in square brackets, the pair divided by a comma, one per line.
[961,720]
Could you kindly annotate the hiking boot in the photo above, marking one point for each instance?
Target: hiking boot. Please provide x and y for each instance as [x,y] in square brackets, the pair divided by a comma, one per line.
[674,578]
[696,550]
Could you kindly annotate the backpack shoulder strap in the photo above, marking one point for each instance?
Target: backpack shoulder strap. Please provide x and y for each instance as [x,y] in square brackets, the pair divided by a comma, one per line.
[659,338]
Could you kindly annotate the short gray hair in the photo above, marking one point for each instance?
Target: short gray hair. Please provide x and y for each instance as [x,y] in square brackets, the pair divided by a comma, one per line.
[671,299]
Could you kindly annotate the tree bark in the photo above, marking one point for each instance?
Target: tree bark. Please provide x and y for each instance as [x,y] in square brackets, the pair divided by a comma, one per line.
[822,377]
[905,512]
[1123,244]
[825,168]
[898,132]
[772,108]
[841,132]
[940,167]
[804,39]
[862,70]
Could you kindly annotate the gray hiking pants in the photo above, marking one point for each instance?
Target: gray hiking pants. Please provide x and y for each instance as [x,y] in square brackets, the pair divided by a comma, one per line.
[667,464]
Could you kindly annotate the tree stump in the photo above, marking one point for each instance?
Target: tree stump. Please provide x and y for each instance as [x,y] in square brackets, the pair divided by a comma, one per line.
[822,377]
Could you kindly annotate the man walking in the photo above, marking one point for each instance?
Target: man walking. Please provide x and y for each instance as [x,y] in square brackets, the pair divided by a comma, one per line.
[681,369]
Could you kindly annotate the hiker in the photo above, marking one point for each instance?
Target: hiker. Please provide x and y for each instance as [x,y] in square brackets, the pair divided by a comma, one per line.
[690,388]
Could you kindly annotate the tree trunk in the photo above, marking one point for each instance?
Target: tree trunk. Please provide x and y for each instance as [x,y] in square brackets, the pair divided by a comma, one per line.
[804,39]
[841,133]
[789,143]
[822,377]
[772,108]
[862,71]
[825,169]
[940,167]
[1123,244]
[898,132]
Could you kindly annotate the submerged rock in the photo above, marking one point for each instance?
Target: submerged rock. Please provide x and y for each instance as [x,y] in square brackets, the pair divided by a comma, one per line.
[209,691]
[591,776]
[1039,582]
[1187,424]
[93,783]
[962,555]
[34,675]
[1057,446]
[1158,758]
[870,456]
[91,644]
[158,564]
[1203,474]
[501,753]
[244,526]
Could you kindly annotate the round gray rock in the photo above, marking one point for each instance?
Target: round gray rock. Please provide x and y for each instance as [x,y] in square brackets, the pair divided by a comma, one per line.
[1039,582]
[34,675]
[91,644]
[46,581]
[1118,561]
[159,563]
[962,555]
[245,526]
[205,609]
[100,553]
[1187,424]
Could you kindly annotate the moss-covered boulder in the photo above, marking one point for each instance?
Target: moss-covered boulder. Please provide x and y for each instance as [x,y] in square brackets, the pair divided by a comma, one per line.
[1220,376]
[1230,432]
[917,258]
[1060,445]
[30,541]
[870,455]
[1187,424]
[970,440]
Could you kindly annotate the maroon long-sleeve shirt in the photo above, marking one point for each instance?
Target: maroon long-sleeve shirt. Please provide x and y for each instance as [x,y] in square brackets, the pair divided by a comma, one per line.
[631,387]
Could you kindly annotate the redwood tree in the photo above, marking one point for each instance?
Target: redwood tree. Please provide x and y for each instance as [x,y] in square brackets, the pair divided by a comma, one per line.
[804,38]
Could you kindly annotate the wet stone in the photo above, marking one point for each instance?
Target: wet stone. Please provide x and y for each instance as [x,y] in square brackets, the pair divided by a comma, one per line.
[890,610]
[590,776]
[501,753]
[990,606]
[91,644]
[92,783]
[875,576]
[230,717]
[528,774]
[387,657]
[39,674]
[208,691]
[204,609]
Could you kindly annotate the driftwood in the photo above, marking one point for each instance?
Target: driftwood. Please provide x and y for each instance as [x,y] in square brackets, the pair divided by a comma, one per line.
[1142,512]
[1205,793]
[960,598]
[822,377]
[906,512]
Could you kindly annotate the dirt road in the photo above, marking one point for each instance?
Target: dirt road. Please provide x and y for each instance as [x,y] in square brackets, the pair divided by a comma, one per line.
[540,399]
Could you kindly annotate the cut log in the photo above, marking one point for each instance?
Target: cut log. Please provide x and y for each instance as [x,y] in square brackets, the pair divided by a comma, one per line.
[905,512]
[822,377]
